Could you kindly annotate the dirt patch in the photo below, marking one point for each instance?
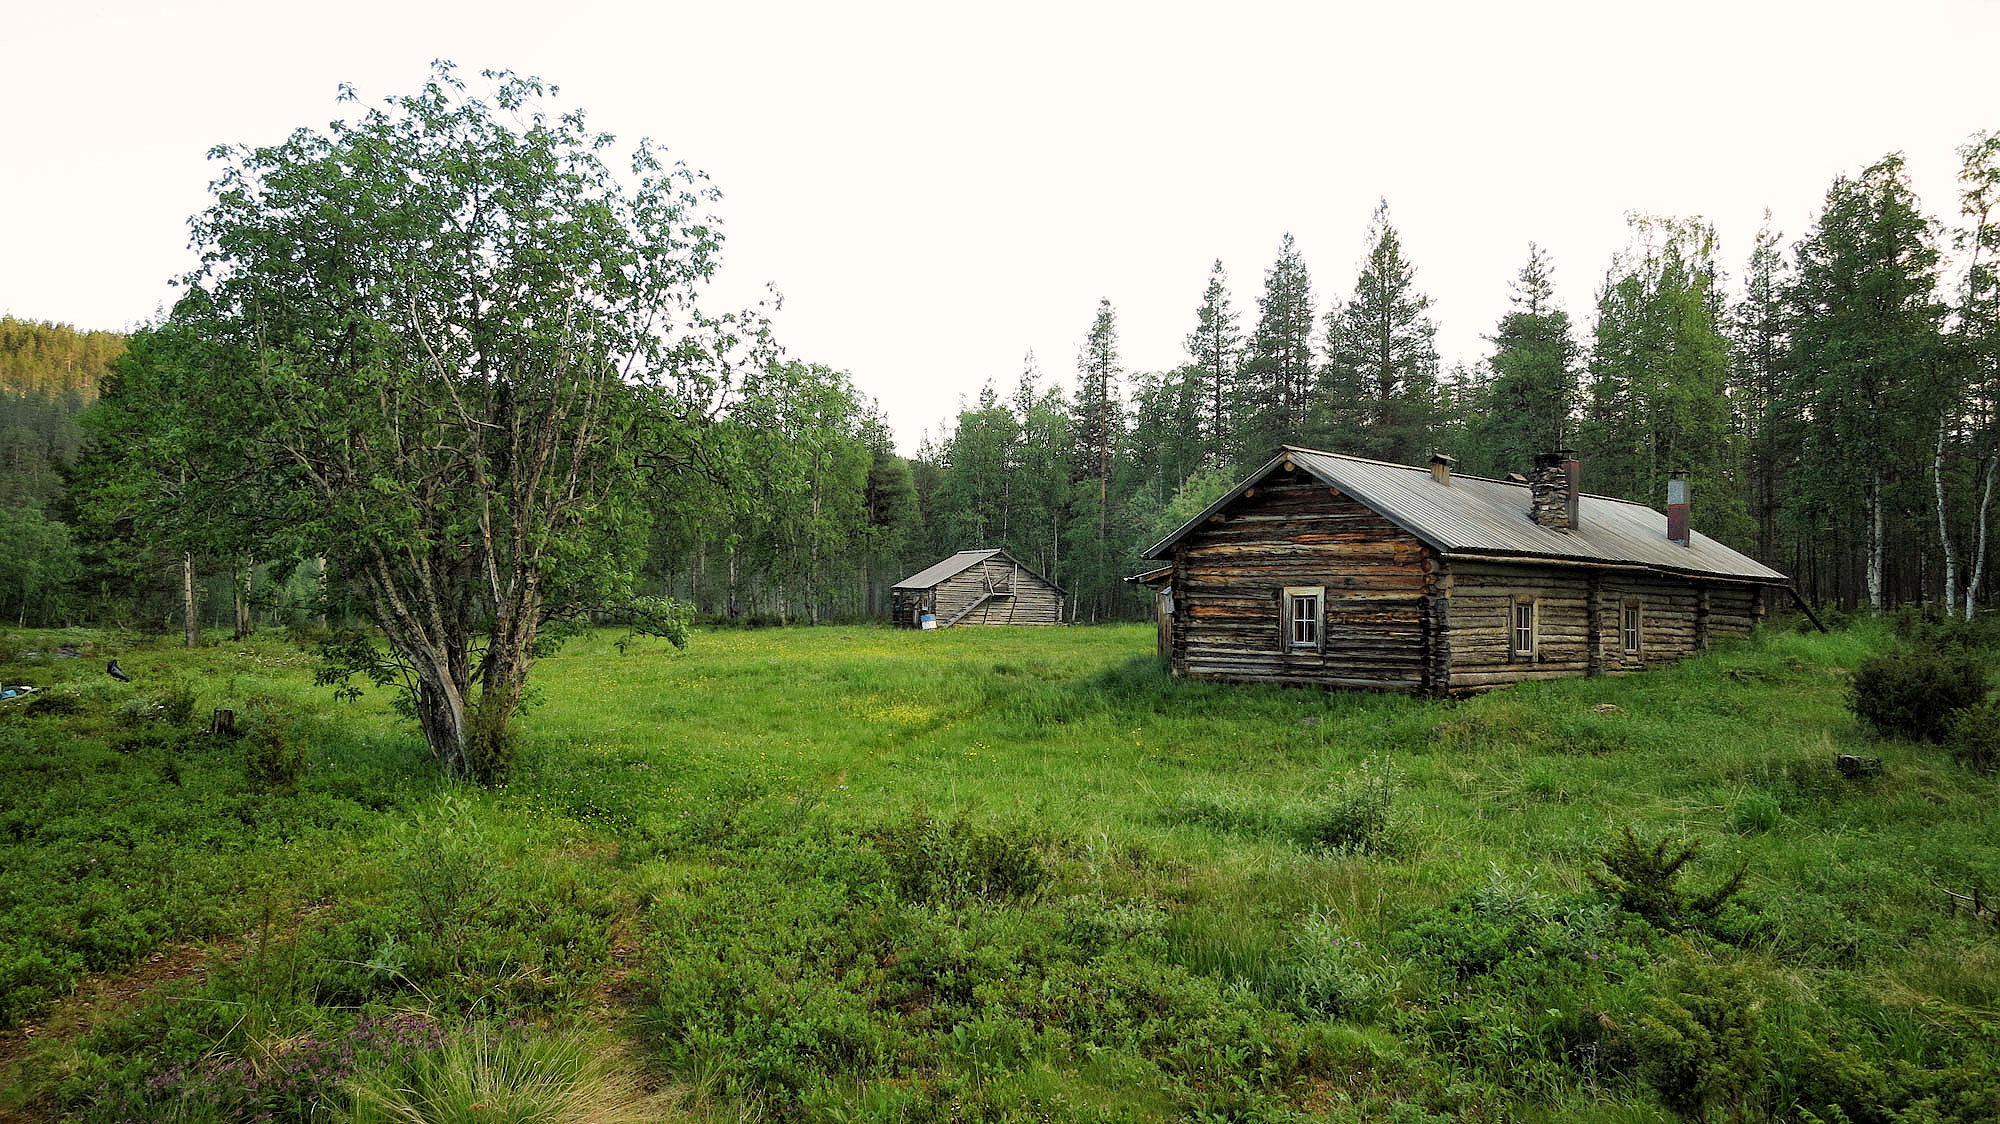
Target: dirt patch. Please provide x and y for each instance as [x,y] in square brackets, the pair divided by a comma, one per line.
[96,999]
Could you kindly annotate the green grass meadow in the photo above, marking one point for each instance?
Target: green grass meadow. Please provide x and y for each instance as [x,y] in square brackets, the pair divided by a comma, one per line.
[856,874]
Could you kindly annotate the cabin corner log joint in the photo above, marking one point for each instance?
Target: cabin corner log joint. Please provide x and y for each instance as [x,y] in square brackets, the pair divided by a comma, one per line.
[1428,581]
[975,587]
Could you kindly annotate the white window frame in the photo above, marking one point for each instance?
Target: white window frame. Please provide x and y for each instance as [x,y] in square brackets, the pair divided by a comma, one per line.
[1515,650]
[1631,627]
[1288,624]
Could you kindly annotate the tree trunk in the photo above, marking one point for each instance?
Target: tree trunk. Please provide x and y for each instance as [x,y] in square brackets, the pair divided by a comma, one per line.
[1978,575]
[1944,525]
[1876,534]
[734,611]
[241,582]
[190,605]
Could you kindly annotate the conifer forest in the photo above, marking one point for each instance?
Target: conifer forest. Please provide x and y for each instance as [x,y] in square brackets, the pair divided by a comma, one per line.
[1830,393]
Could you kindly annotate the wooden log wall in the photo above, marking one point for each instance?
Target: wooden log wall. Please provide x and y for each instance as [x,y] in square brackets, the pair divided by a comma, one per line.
[1230,576]
[1031,601]
[1581,618]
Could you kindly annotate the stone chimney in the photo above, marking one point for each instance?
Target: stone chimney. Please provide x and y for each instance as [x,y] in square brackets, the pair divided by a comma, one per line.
[1677,512]
[1441,468]
[1548,491]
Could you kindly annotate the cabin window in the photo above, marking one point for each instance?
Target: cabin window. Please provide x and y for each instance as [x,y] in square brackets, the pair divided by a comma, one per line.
[1302,618]
[1523,646]
[1630,629]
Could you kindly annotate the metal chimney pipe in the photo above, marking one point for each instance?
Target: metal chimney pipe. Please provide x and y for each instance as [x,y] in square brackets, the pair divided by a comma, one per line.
[1573,472]
[1677,512]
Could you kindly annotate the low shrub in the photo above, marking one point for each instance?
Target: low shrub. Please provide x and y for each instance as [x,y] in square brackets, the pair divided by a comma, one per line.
[1645,879]
[274,756]
[177,705]
[54,704]
[1756,812]
[1356,816]
[1328,973]
[1974,737]
[931,860]
[1695,1037]
[1911,693]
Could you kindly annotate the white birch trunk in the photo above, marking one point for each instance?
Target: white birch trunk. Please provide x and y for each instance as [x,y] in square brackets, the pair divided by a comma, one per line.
[1944,526]
[1978,575]
[1876,519]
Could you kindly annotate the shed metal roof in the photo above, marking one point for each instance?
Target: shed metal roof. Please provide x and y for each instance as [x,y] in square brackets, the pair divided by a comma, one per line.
[1476,516]
[957,564]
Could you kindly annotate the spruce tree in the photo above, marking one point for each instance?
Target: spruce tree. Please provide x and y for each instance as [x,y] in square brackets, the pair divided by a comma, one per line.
[1214,350]
[1771,431]
[1865,347]
[1098,426]
[1528,404]
[1379,392]
[1275,386]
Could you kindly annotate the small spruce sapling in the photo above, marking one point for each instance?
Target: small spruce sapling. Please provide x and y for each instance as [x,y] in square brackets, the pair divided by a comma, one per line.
[1645,879]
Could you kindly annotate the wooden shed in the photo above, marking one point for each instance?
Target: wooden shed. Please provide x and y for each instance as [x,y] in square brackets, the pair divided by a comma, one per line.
[975,587]
[1339,571]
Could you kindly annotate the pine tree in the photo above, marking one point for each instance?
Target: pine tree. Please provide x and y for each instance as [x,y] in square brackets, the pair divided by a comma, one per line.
[1275,385]
[1214,349]
[1379,392]
[1528,404]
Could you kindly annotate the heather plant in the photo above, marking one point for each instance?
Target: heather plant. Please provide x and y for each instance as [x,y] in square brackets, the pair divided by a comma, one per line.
[300,1079]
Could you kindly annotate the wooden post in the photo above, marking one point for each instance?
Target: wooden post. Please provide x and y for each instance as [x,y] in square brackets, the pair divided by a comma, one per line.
[1593,656]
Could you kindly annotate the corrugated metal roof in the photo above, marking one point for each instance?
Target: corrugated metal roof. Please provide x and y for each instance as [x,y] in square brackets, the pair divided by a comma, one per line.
[957,564]
[1475,515]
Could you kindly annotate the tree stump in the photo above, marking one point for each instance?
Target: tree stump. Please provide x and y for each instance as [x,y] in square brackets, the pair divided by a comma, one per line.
[1851,766]
[222,724]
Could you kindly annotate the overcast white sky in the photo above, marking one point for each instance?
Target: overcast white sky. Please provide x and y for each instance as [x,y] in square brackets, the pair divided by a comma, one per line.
[938,189]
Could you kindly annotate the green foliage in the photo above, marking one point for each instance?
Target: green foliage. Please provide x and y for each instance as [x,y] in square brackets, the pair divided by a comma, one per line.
[446,866]
[931,860]
[1695,1039]
[38,565]
[1645,879]
[274,749]
[1355,817]
[1913,693]
[1658,373]
[1974,736]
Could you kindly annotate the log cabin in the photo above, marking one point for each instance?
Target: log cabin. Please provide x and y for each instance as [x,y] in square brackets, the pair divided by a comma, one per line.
[975,587]
[1331,570]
